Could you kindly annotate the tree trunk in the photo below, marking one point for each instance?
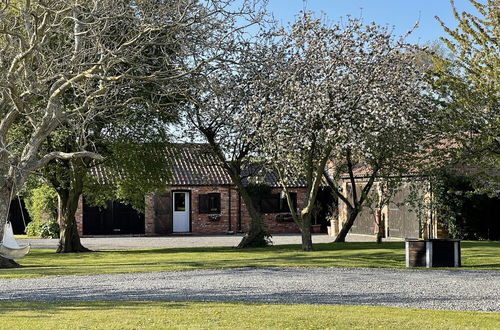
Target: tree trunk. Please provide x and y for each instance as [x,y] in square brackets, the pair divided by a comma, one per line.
[347,226]
[5,194]
[69,240]
[257,236]
[306,233]
[8,263]
[380,226]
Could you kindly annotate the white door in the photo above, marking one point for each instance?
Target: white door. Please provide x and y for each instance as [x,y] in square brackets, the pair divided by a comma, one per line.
[181,212]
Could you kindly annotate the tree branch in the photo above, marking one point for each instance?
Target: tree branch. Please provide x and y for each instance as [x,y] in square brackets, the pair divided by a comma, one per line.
[335,191]
[63,155]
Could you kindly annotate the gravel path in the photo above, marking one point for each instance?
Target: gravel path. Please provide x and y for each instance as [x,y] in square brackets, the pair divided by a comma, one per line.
[128,243]
[436,289]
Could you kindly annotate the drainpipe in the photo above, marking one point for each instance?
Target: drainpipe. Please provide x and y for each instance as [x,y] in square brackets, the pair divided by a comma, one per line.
[239,212]
[229,229]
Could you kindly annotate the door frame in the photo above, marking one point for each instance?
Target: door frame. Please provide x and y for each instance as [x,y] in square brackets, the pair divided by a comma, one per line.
[190,208]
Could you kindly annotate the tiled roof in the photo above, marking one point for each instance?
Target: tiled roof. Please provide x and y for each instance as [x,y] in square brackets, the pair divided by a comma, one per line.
[194,164]
[256,174]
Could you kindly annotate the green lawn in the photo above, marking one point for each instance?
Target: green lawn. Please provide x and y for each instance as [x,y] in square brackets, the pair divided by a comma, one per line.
[186,315]
[475,255]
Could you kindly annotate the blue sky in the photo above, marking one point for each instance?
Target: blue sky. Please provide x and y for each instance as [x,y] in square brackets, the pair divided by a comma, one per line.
[402,14]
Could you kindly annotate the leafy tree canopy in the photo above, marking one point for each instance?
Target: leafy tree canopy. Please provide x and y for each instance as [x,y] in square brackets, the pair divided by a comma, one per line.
[468,84]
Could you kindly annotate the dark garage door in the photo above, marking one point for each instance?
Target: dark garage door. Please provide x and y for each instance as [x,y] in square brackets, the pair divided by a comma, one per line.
[116,219]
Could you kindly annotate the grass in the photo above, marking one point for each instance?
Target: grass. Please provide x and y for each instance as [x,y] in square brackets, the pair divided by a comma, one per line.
[154,314]
[189,315]
[475,255]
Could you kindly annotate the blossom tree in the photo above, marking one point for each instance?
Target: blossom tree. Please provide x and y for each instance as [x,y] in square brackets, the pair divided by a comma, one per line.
[347,96]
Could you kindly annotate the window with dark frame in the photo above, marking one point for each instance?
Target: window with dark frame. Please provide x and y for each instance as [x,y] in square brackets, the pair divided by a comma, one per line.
[209,203]
[275,204]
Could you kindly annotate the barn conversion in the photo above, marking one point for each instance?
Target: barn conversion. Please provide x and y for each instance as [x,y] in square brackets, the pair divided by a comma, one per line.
[198,199]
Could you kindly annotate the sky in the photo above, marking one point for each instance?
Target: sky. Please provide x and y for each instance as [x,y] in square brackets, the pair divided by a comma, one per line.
[402,14]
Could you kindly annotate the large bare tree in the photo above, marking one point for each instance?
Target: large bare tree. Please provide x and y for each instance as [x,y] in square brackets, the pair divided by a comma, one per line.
[66,61]
[221,111]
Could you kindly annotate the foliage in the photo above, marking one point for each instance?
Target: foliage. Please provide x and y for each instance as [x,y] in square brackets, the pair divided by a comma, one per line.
[260,239]
[466,213]
[132,170]
[45,229]
[216,315]
[258,191]
[468,84]
[41,203]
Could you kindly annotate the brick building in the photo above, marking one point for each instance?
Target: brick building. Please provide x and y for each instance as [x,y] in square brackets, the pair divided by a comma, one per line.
[199,199]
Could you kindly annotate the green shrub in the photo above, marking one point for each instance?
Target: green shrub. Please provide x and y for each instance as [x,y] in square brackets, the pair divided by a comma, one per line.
[32,229]
[46,229]
[41,204]
[468,214]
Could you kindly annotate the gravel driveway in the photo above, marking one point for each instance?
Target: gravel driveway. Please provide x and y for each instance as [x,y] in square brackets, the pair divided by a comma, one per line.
[128,243]
[436,289]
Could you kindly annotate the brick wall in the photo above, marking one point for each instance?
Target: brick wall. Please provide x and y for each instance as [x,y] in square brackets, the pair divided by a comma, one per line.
[201,224]
[149,215]
[274,226]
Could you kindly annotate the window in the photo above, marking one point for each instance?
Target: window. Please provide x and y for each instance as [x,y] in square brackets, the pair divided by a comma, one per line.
[179,202]
[270,204]
[209,203]
[275,204]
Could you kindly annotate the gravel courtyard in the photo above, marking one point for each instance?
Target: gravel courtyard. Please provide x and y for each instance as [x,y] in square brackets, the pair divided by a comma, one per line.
[129,243]
[431,289]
